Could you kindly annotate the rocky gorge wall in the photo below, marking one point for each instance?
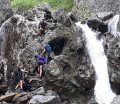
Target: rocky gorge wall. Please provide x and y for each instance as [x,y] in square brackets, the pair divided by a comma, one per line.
[67,72]
[100,5]
[70,70]
[5,11]
[88,10]
[85,8]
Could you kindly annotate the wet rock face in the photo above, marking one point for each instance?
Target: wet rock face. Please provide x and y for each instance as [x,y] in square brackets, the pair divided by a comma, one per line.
[5,10]
[24,99]
[100,5]
[47,100]
[8,35]
[69,69]
[97,26]
[116,100]
[3,81]
[85,8]
[61,16]
[99,21]
[112,48]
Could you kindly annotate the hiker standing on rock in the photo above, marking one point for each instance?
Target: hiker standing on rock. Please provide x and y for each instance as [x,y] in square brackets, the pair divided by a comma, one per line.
[20,78]
[42,26]
[47,50]
[41,61]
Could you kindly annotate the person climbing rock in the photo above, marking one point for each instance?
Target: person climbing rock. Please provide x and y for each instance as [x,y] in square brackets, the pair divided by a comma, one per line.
[20,77]
[26,83]
[46,51]
[42,26]
[41,61]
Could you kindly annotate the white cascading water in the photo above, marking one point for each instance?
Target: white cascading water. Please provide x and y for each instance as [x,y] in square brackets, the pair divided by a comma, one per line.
[112,25]
[103,92]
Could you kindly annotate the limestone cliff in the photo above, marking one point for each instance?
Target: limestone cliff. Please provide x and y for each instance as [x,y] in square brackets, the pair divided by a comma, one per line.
[70,72]
[5,10]
[85,8]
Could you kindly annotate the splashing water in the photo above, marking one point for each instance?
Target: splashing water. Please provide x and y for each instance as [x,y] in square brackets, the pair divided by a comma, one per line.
[112,25]
[103,92]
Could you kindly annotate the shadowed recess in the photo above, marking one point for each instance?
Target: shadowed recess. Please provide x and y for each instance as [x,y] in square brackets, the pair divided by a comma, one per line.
[97,26]
[58,44]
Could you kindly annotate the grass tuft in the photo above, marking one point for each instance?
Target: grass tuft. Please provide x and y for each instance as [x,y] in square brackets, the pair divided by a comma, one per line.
[23,5]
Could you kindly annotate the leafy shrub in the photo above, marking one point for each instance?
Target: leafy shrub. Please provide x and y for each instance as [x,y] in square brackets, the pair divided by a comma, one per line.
[23,5]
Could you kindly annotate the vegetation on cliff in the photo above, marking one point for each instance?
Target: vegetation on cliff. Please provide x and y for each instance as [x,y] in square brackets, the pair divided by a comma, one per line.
[23,5]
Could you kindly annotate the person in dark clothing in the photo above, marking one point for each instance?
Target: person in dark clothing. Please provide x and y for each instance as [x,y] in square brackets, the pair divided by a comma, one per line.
[26,83]
[20,70]
[41,61]
[42,26]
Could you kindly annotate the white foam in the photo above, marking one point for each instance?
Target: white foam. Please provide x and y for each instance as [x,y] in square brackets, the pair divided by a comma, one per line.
[112,24]
[103,92]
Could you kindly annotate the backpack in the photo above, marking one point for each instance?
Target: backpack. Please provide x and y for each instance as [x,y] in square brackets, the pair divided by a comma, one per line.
[48,48]
[41,59]
[17,72]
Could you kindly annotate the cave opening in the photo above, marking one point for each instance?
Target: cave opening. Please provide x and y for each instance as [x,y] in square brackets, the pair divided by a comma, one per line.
[47,15]
[58,44]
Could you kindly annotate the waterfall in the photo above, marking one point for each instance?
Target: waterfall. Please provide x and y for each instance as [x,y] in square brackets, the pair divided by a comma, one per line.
[103,92]
[112,25]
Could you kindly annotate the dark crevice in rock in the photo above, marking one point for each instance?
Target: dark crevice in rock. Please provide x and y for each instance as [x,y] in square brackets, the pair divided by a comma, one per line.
[47,15]
[73,18]
[35,69]
[108,17]
[97,26]
[55,21]
[81,51]
[58,44]
[106,46]
[115,87]
[14,20]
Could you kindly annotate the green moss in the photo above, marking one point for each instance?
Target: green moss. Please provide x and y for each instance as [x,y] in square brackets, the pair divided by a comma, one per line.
[70,75]
[69,55]
[67,33]
[23,5]
[86,15]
